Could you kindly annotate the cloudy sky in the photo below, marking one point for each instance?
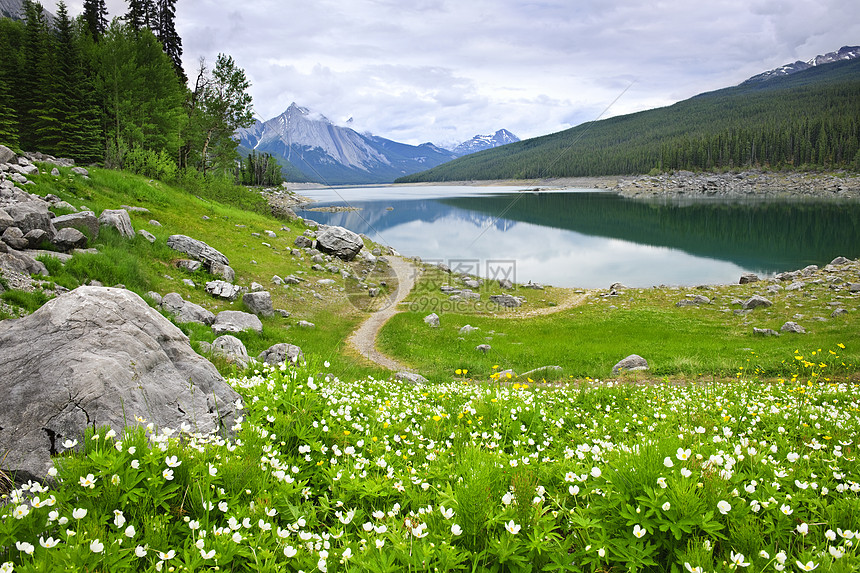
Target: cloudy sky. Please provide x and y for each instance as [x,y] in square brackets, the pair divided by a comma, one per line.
[445,70]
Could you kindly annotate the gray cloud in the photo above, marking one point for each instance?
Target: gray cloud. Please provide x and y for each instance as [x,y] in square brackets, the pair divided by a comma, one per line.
[445,70]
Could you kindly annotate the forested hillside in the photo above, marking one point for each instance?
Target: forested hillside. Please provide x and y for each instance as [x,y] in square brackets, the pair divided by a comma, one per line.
[809,120]
[116,94]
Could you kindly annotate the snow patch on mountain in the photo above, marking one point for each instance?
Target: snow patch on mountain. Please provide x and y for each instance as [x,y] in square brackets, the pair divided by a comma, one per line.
[482,142]
[844,53]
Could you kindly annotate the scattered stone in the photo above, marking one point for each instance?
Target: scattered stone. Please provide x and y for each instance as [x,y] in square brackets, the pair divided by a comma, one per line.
[222,270]
[236,321]
[69,238]
[410,377]
[134,209]
[282,352]
[232,349]
[432,320]
[303,242]
[154,297]
[747,278]
[340,242]
[185,311]
[797,285]
[838,312]
[629,364]
[13,237]
[189,282]
[533,286]
[256,287]
[189,265]
[765,332]
[506,284]
[306,324]
[809,271]
[506,300]
[292,280]
[80,171]
[792,327]
[472,283]
[326,282]
[277,280]
[483,348]
[119,220]
[154,223]
[146,235]
[93,357]
[270,234]
[468,329]
[854,287]
[197,250]
[31,215]
[22,263]
[283,313]
[544,373]
[840,261]
[260,303]
[223,289]
[756,301]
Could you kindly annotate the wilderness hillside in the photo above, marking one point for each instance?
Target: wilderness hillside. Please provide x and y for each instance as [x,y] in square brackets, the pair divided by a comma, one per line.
[807,120]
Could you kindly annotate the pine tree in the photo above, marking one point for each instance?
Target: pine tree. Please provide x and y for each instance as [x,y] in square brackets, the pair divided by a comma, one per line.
[8,119]
[138,15]
[95,17]
[166,33]
[34,81]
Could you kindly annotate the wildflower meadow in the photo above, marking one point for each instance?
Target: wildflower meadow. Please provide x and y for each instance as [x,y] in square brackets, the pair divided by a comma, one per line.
[323,474]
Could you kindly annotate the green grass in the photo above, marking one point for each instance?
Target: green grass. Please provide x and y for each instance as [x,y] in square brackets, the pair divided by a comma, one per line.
[28,301]
[587,340]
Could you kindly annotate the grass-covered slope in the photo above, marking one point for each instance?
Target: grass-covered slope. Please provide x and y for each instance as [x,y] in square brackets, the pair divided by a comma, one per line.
[806,120]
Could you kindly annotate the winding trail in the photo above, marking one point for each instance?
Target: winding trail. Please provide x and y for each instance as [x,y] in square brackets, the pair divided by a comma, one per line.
[363,339]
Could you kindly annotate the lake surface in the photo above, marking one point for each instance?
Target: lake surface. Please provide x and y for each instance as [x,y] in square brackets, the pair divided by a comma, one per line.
[591,239]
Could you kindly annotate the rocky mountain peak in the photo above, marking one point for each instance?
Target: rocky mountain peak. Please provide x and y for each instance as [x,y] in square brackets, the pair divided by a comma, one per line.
[482,142]
[843,53]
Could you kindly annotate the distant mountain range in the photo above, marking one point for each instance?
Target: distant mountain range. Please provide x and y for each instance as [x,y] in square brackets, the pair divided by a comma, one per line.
[15,9]
[799,116]
[844,53]
[482,142]
[310,144]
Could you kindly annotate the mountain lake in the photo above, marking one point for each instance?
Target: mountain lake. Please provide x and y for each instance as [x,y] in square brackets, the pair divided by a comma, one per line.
[591,239]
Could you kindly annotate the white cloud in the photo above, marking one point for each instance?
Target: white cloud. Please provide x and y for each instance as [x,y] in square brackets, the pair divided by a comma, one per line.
[445,70]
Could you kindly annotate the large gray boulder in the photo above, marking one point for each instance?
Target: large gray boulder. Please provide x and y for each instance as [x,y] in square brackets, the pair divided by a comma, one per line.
[85,222]
[756,301]
[282,352]
[223,289]
[69,238]
[13,237]
[260,303]
[18,262]
[506,300]
[340,242]
[5,220]
[119,220]
[631,363]
[196,250]
[236,321]
[186,311]
[232,349]
[31,215]
[6,155]
[99,356]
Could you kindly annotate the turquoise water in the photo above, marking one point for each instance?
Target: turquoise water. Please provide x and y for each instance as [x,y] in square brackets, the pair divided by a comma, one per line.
[591,239]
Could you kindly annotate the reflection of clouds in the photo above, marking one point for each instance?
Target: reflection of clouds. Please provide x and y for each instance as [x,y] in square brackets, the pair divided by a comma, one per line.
[558,257]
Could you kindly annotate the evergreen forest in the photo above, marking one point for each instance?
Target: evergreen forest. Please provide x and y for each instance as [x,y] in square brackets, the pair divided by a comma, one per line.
[806,121]
[114,93]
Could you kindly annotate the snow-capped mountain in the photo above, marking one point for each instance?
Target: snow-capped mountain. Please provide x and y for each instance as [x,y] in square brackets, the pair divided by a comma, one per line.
[337,155]
[482,142]
[844,53]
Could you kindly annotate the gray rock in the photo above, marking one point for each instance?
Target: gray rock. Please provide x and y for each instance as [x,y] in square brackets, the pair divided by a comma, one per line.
[260,303]
[189,282]
[506,300]
[506,284]
[232,349]
[340,242]
[270,234]
[93,357]
[809,271]
[186,311]
[838,312]
[468,329]
[544,373]
[65,206]
[36,238]
[472,283]
[256,287]
[303,242]
[282,352]
[747,278]
[80,171]
[432,320]
[765,332]
[223,289]
[85,222]
[219,269]
[31,215]
[840,261]
[797,285]
[854,287]
[171,303]
[154,297]
[305,324]
[277,280]
[55,172]
[533,286]
[154,223]
[69,238]
[5,220]
[119,220]
[197,250]
[236,321]
[146,235]
[14,237]
[631,363]
[410,377]
[292,280]
[6,155]
[189,265]
[508,374]
[792,327]
[756,301]
[21,263]
[483,348]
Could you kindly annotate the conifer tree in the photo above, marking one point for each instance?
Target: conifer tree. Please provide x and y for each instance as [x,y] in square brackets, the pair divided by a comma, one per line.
[95,18]
[34,82]
[166,33]
[8,119]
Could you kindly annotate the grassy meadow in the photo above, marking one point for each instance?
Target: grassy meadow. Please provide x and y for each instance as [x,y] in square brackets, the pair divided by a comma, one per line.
[734,452]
